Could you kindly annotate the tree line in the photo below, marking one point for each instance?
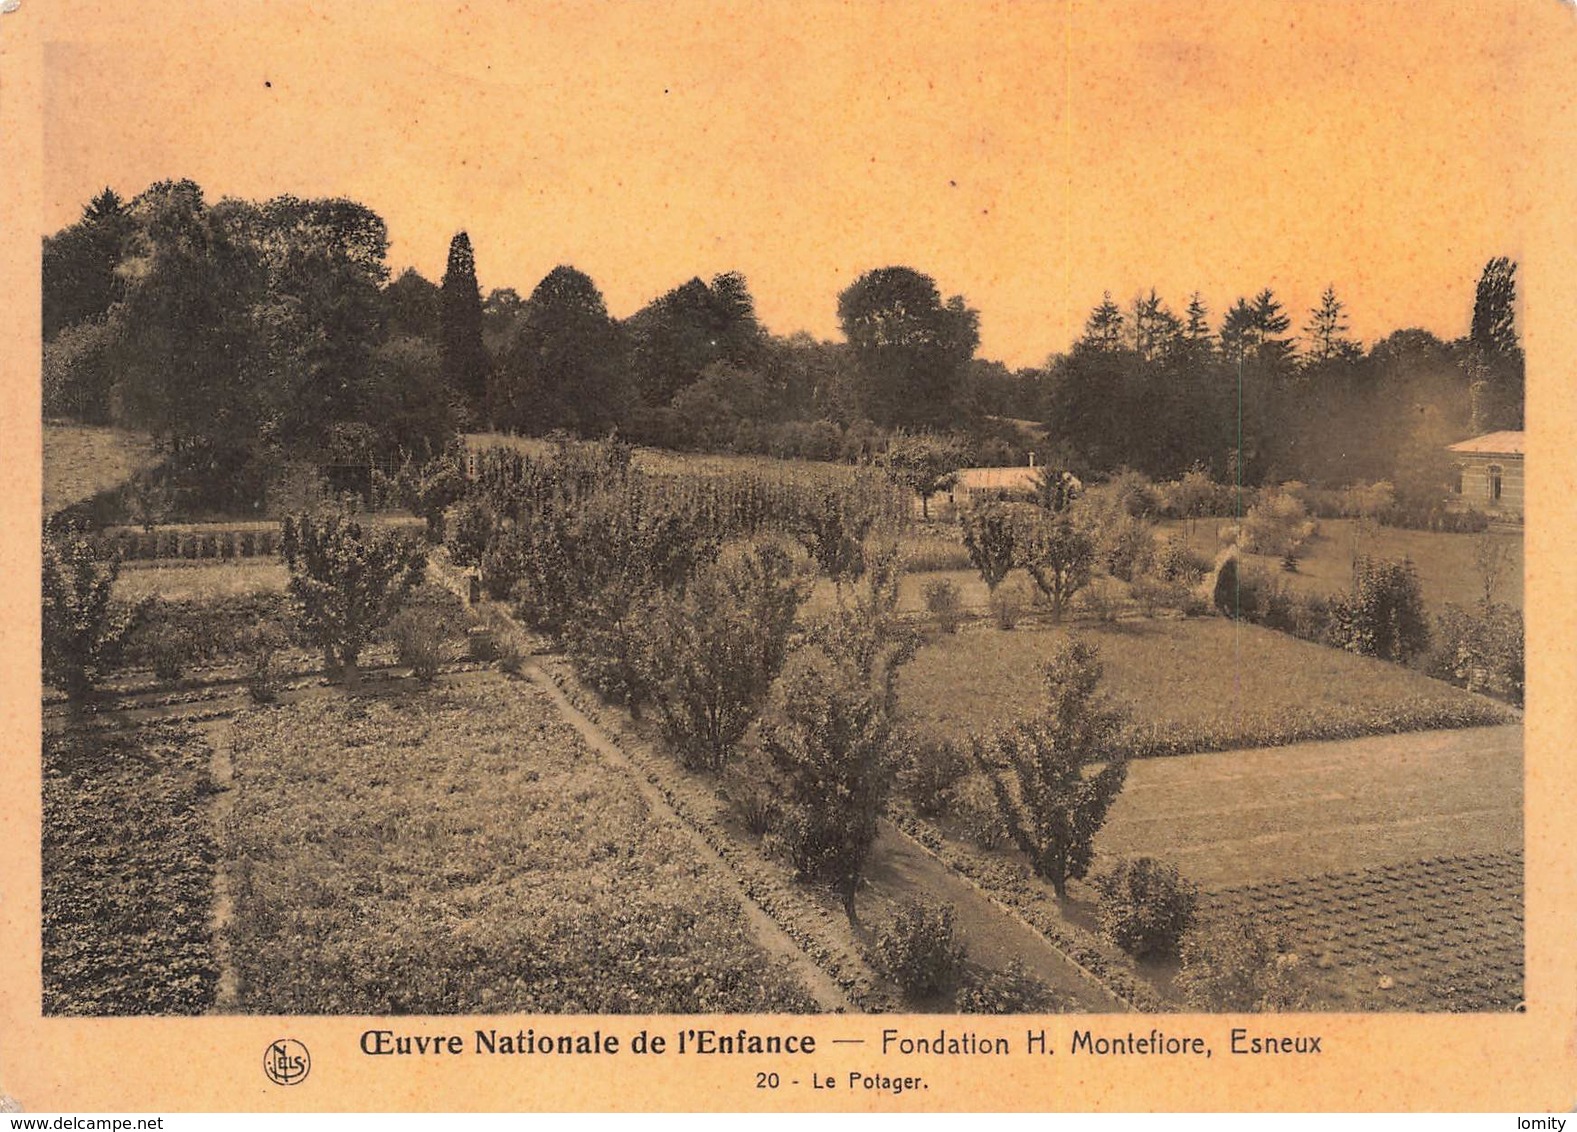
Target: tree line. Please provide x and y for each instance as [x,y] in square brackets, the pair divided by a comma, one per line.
[245,336]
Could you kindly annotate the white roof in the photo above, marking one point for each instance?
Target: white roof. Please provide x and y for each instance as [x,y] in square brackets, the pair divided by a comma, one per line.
[991,479]
[1492,444]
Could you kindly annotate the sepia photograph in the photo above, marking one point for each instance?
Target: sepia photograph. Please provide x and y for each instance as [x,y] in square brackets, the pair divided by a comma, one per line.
[566,511]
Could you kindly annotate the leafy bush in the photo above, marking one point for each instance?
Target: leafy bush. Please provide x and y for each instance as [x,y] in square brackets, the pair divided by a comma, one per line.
[933,768]
[1434,517]
[84,634]
[258,644]
[173,649]
[1056,806]
[975,810]
[470,530]
[943,602]
[503,563]
[1383,615]
[715,651]
[418,637]
[1176,561]
[1238,961]
[1012,990]
[1125,546]
[1481,649]
[346,583]
[989,539]
[920,949]
[1276,524]
[1101,601]
[1007,605]
[1146,907]
[828,741]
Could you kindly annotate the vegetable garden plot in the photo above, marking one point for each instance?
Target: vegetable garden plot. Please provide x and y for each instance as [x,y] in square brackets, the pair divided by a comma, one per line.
[127,872]
[1440,934]
[461,850]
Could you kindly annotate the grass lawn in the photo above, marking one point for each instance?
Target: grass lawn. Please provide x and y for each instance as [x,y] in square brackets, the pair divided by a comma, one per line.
[1250,817]
[1444,561]
[1207,684]
[461,849]
[180,580]
[80,461]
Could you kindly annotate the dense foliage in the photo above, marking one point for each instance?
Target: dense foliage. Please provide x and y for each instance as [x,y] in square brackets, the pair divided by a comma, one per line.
[1063,768]
[1146,907]
[346,583]
[84,634]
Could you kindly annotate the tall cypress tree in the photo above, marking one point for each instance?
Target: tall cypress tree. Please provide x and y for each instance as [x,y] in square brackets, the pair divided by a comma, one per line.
[1496,377]
[464,359]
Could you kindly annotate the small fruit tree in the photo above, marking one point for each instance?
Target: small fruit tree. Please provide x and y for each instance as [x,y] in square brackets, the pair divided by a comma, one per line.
[988,537]
[923,463]
[716,650]
[84,634]
[346,583]
[1059,802]
[831,739]
[1057,555]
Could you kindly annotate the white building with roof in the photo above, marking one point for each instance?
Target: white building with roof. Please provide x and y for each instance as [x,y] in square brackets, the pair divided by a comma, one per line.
[1489,472]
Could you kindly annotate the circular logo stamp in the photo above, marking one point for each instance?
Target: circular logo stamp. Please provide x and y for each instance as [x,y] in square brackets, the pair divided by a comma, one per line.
[287,1062]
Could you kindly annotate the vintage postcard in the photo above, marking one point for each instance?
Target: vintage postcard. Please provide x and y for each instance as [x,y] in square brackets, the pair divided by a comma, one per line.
[866,556]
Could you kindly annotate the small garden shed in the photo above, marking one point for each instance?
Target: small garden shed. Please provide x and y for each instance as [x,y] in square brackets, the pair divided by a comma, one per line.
[1489,472]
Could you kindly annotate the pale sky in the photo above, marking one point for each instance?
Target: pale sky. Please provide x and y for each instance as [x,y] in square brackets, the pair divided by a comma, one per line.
[1028,156]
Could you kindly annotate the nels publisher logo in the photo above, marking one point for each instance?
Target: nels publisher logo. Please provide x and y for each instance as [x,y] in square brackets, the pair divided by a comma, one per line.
[287,1062]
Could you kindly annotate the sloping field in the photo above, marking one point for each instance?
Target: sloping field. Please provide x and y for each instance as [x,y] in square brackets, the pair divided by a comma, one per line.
[1446,571]
[460,850]
[1208,684]
[81,461]
[1250,817]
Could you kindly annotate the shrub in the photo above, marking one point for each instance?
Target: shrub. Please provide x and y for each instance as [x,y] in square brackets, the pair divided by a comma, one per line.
[258,644]
[470,531]
[345,584]
[172,649]
[1383,615]
[973,806]
[1146,907]
[503,563]
[943,602]
[227,545]
[828,741]
[1125,546]
[84,636]
[1057,806]
[1481,649]
[1007,605]
[1276,524]
[1237,962]
[920,949]
[752,799]
[418,637]
[933,768]
[1153,594]
[1101,601]
[1012,990]
[1176,561]
[715,651]
[989,540]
